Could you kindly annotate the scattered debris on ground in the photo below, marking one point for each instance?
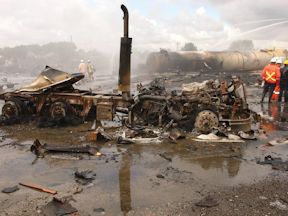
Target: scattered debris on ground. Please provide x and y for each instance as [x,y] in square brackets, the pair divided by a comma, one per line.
[38,149]
[99,210]
[247,136]
[176,134]
[2,138]
[99,135]
[212,137]
[160,176]
[279,205]
[77,189]
[207,202]
[11,144]
[124,140]
[66,157]
[10,189]
[165,156]
[38,187]
[276,162]
[84,177]
[146,140]
[278,142]
[58,207]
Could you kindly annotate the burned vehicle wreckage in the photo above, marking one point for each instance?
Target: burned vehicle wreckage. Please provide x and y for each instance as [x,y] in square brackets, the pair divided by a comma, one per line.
[204,106]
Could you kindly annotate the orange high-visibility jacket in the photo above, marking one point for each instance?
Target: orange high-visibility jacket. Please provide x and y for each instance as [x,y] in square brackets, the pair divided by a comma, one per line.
[271,74]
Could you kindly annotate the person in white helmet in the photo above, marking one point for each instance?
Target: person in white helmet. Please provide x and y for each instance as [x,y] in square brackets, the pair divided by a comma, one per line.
[90,70]
[279,62]
[270,76]
[82,67]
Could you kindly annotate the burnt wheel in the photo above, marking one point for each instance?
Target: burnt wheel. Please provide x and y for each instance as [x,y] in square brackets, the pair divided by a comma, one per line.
[58,110]
[206,120]
[11,109]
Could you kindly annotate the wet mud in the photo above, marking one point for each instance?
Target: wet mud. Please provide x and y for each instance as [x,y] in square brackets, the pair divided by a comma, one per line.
[136,179]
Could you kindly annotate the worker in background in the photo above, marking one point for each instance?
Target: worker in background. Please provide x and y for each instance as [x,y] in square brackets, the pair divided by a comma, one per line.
[270,76]
[82,67]
[279,62]
[90,70]
[276,92]
[284,82]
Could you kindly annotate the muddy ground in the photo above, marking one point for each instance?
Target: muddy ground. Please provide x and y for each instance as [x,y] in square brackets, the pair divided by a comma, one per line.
[136,180]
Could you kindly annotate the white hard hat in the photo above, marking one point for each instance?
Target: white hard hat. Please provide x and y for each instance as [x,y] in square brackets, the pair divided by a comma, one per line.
[82,61]
[88,60]
[273,60]
[279,61]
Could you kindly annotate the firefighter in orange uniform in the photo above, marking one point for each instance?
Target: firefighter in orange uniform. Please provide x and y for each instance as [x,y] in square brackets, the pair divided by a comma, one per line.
[270,76]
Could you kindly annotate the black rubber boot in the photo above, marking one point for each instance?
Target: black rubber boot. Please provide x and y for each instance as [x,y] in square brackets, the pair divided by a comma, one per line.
[262,99]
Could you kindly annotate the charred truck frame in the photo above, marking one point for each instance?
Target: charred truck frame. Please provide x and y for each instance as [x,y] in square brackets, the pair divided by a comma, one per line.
[219,104]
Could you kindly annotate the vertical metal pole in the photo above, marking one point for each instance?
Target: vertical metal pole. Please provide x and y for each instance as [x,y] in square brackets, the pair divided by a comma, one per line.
[125,58]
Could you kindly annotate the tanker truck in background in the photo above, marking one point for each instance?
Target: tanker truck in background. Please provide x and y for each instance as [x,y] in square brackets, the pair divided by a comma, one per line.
[216,61]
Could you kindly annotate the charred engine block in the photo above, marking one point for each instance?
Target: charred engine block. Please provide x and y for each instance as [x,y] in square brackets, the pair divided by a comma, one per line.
[203,106]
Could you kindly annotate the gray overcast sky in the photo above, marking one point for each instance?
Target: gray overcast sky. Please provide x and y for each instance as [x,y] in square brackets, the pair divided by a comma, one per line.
[210,24]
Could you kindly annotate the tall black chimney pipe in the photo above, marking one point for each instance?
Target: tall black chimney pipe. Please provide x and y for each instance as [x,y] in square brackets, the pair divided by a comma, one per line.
[125,58]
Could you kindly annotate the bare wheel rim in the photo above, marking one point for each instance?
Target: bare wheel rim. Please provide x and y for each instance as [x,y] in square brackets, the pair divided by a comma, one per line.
[206,120]
[58,110]
[10,109]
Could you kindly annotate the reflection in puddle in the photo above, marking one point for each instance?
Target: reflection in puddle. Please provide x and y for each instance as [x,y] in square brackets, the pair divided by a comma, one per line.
[232,164]
[124,184]
[275,116]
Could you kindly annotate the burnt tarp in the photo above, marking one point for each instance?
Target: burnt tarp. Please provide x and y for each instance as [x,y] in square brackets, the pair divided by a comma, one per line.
[52,78]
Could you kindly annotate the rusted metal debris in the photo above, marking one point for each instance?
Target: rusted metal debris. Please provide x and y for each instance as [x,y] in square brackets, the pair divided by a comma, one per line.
[38,149]
[99,135]
[203,106]
[38,187]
